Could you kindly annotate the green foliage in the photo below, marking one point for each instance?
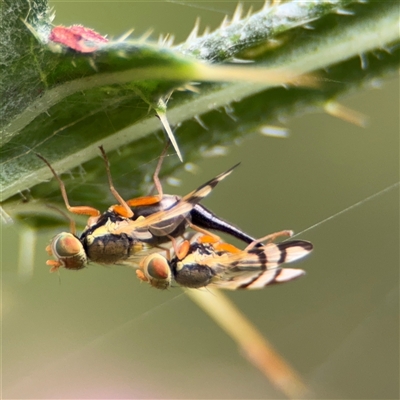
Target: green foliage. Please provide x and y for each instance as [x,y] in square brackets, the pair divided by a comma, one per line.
[63,104]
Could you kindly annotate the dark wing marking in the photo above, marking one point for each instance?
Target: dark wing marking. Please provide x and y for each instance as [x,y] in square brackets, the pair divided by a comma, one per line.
[183,206]
[258,267]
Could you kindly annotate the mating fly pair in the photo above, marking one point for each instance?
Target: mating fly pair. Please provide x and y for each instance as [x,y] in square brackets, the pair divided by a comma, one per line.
[130,231]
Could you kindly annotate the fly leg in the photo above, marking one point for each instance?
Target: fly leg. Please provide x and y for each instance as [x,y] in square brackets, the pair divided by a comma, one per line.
[156,178]
[269,238]
[208,236]
[80,210]
[123,208]
[66,247]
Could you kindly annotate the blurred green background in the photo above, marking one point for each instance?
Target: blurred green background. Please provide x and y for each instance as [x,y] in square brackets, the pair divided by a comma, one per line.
[99,333]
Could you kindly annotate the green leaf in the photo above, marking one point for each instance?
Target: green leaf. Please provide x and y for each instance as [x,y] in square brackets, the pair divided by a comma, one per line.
[63,104]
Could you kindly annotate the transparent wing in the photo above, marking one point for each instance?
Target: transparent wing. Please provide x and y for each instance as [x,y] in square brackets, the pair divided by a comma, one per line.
[258,267]
[179,210]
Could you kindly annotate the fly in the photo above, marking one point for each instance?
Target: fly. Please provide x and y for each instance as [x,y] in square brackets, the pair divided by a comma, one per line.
[205,262]
[131,229]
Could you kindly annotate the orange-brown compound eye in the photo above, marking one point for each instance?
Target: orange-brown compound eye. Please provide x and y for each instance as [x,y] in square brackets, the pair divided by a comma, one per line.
[156,269]
[68,251]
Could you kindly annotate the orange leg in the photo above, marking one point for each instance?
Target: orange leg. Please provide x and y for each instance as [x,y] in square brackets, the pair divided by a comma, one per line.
[183,250]
[124,210]
[166,250]
[141,275]
[149,200]
[269,238]
[156,179]
[81,210]
[144,201]
[217,244]
[55,265]
[208,239]
[226,247]
[49,251]
[209,236]
[72,225]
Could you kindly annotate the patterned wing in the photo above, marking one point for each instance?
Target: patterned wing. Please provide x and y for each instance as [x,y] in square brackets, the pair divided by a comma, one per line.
[203,265]
[258,267]
[178,211]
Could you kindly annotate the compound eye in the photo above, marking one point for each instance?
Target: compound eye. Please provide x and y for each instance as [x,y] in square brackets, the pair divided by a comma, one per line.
[66,245]
[69,251]
[156,269]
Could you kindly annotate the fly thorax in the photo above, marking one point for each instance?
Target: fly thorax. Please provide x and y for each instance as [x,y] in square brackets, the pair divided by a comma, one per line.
[191,274]
[109,226]
[106,248]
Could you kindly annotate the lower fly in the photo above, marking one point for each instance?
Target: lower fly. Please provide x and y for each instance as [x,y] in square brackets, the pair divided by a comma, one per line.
[203,261]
